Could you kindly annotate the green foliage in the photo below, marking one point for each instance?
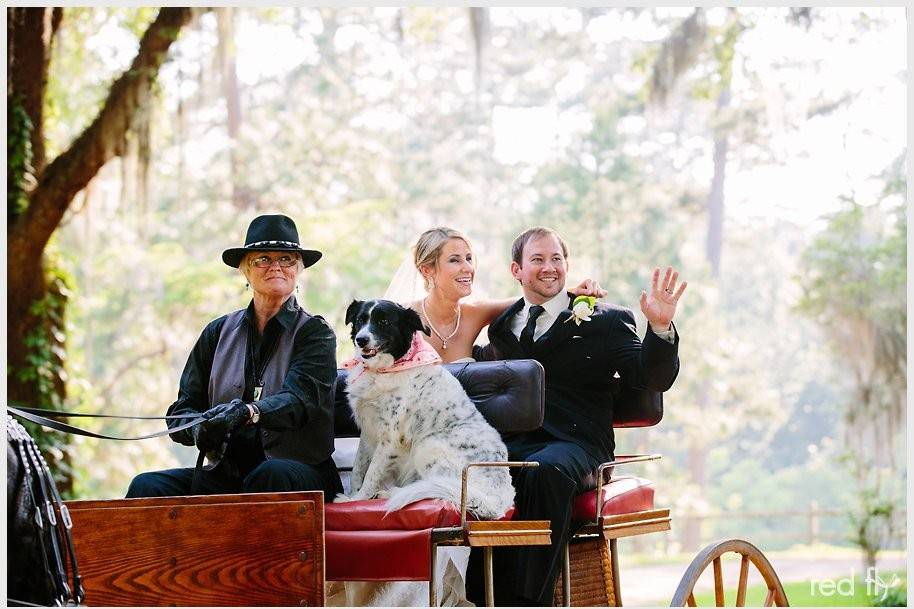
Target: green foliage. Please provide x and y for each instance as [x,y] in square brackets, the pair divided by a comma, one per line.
[46,370]
[896,596]
[874,510]
[785,489]
[82,69]
[854,287]
[853,265]
[18,158]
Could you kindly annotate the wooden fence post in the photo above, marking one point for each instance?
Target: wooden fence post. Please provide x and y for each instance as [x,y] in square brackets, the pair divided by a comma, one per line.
[813,532]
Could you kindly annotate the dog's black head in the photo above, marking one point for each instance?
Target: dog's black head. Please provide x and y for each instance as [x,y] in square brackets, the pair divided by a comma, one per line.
[382,330]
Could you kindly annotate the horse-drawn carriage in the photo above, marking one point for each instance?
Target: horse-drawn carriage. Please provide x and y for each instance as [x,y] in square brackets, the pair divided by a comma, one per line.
[282,548]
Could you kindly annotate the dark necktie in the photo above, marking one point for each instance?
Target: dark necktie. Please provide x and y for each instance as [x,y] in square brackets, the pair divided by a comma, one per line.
[526,337]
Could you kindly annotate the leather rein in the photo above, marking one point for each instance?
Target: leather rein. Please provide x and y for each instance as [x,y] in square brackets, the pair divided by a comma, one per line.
[47,418]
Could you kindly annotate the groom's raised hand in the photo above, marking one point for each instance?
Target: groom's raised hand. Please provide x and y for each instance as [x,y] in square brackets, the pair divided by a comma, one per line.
[660,305]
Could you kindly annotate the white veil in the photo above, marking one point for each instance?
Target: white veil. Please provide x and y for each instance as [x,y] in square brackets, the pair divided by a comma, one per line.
[406,286]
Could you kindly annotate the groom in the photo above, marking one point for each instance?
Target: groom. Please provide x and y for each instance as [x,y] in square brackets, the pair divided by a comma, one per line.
[580,361]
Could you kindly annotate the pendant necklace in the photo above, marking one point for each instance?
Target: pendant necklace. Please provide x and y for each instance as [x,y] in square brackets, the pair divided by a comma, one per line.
[434,331]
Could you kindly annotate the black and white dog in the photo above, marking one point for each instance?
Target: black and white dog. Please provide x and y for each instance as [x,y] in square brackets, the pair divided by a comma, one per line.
[418,427]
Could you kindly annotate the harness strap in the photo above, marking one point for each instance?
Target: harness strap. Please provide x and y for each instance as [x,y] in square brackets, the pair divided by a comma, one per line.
[195,481]
[45,485]
[18,435]
[43,499]
[64,526]
[65,427]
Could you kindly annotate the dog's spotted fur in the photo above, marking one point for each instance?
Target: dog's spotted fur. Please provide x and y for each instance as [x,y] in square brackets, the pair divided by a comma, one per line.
[418,427]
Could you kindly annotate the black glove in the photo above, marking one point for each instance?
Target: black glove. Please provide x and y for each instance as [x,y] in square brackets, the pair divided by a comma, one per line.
[204,440]
[220,420]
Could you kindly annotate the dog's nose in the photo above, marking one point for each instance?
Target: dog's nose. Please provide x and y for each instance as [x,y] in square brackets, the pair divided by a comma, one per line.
[361,341]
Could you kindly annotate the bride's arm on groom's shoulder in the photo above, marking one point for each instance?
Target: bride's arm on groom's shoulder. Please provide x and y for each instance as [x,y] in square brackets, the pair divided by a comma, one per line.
[588,287]
[488,310]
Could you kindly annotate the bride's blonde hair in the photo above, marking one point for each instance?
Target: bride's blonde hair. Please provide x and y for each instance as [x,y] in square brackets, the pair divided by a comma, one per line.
[428,248]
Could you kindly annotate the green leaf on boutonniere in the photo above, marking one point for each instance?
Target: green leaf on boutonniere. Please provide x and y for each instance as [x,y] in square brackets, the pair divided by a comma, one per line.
[581,309]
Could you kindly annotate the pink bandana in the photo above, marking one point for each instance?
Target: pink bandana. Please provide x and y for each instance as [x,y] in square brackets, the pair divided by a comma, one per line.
[420,353]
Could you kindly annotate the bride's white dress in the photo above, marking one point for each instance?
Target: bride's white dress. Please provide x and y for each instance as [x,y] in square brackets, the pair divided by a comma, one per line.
[463,360]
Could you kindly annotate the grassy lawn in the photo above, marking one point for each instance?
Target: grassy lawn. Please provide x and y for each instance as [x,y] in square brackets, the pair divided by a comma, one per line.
[801,594]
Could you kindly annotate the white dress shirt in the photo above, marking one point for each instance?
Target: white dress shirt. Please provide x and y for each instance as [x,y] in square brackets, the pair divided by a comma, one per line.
[553,308]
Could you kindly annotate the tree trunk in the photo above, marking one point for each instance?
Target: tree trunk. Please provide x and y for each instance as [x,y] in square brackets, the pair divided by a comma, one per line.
[480,26]
[30,33]
[715,239]
[34,321]
[225,19]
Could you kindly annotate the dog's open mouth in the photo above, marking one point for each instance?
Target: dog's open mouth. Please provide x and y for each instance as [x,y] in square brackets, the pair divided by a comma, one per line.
[368,353]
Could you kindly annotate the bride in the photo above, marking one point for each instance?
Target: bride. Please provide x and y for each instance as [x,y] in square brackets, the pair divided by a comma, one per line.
[443,259]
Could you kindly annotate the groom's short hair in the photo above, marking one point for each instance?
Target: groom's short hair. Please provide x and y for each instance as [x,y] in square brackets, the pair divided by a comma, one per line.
[517,248]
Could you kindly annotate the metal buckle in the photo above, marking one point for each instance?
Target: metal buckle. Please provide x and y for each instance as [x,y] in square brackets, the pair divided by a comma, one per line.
[51,517]
[65,516]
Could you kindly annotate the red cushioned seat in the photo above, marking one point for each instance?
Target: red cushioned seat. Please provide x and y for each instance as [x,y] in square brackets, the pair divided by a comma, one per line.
[361,537]
[620,496]
[378,555]
[371,515]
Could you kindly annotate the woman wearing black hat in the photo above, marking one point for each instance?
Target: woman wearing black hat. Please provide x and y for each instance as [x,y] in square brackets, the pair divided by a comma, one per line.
[263,378]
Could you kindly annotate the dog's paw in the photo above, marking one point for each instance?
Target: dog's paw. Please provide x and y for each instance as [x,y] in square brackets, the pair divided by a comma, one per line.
[385,493]
[341,498]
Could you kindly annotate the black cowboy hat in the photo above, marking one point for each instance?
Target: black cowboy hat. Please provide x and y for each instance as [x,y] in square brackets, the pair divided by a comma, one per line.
[270,233]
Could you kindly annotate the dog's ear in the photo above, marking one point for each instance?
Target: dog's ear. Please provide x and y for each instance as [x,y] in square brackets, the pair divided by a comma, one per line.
[413,323]
[353,310]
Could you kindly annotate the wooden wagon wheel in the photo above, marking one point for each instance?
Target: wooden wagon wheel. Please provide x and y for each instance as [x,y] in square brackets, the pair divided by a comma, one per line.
[684,595]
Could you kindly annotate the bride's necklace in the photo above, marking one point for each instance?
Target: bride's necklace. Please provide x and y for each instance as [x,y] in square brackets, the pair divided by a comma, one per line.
[443,339]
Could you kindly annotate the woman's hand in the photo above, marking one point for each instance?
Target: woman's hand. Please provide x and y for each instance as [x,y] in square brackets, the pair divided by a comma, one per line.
[220,420]
[588,287]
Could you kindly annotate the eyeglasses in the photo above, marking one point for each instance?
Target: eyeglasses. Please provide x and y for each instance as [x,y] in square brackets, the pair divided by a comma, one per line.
[264,262]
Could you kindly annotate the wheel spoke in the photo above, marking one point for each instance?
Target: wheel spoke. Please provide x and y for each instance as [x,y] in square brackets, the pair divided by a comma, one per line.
[743,578]
[711,557]
[718,584]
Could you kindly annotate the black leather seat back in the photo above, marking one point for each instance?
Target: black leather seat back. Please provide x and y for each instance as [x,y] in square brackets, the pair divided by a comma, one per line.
[510,394]
[635,407]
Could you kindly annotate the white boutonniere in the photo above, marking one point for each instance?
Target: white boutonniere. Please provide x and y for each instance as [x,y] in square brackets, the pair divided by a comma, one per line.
[581,309]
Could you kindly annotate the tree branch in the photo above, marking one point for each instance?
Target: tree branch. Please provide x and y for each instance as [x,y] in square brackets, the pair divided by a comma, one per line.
[73,169]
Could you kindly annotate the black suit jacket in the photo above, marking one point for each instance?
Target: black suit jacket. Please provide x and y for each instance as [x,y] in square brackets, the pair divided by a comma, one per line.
[580,362]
